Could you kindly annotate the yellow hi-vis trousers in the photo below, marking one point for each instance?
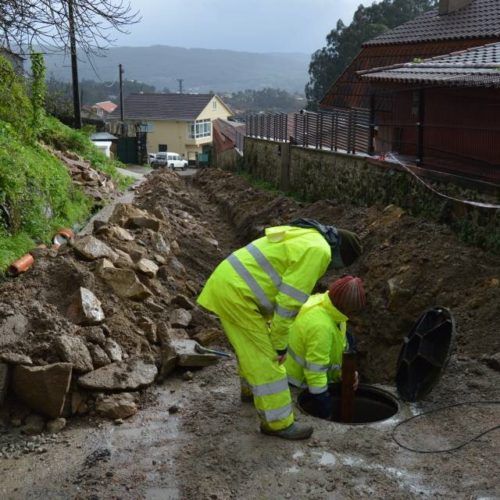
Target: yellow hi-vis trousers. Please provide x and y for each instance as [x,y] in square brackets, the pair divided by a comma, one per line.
[266,378]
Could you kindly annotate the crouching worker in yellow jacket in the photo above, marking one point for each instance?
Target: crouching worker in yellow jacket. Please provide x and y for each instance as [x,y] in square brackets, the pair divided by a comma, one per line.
[257,292]
[318,339]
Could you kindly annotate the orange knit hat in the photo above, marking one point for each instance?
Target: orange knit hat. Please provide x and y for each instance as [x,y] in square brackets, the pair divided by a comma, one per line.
[347,294]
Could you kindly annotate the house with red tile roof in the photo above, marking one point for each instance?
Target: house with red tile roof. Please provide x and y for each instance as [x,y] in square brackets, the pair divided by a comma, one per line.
[433,89]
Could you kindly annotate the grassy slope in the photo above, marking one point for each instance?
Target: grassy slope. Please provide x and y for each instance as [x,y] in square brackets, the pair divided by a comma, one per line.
[36,193]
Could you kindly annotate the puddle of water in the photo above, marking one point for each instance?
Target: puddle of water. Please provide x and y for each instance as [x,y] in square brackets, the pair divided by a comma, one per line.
[167,493]
[326,458]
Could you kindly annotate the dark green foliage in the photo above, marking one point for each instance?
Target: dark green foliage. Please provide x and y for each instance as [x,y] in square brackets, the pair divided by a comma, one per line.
[344,42]
[60,96]
[15,106]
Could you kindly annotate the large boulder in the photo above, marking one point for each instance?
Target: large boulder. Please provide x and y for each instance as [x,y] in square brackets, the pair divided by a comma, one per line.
[116,406]
[99,356]
[85,309]
[117,232]
[180,318]
[13,358]
[113,350]
[74,350]
[91,248]
[125,283]
[127,375]
[147,267]
[128,215]
[43,388]
[13,328]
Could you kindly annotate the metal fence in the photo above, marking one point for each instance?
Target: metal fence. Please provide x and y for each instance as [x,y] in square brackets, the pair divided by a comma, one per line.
[346,130]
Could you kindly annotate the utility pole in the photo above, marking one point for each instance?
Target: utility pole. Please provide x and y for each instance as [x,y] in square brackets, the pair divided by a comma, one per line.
[121,71]
[180,80]
[74,66]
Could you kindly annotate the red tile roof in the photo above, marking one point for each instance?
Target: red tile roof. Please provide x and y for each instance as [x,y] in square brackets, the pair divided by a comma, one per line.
[107,106]
[477,66]
[479,19]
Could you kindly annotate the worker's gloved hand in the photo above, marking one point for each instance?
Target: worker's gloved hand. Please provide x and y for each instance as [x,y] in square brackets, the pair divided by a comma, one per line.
[321,405]
[352,343]
[281,356]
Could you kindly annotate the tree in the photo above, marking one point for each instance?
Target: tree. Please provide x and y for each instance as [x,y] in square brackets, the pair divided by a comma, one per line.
[65,25]
[46,23]
[344,42]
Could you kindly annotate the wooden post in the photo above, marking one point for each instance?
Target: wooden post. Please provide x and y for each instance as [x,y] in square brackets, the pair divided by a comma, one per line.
[420,127]
[347,391]
[371,144]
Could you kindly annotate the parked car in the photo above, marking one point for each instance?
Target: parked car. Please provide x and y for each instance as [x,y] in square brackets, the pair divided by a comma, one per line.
[169,159]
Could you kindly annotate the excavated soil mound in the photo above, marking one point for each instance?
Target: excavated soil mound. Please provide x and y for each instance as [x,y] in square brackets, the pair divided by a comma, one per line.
[160,254]
[408,265]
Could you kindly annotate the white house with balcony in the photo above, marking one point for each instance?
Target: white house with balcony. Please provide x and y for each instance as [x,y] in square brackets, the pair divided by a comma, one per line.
[174,122]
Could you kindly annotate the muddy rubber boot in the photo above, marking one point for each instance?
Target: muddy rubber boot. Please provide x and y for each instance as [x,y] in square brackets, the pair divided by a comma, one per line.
[246,398]
[294,432]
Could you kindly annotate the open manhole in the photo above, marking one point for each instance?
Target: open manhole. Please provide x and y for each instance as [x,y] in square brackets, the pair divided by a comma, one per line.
[424,354]
[370,404]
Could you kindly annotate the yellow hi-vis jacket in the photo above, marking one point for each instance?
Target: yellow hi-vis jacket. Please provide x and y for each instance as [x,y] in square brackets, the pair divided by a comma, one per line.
[268,280]
[316,343]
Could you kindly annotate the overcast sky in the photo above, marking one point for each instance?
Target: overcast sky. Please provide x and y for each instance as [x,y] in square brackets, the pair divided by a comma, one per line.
[247,25]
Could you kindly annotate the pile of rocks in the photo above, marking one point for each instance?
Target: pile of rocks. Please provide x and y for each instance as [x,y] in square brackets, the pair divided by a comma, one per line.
[105,316]
[95,183]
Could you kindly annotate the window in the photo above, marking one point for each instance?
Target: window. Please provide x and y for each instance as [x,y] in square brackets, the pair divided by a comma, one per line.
[214,104]
[162,147]
[200,128]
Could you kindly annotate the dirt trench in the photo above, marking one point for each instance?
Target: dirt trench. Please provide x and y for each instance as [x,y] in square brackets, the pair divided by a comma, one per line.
[193,438]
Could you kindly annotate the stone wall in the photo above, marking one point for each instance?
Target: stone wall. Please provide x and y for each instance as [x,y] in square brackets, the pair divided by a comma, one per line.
[314,175]
[227,160]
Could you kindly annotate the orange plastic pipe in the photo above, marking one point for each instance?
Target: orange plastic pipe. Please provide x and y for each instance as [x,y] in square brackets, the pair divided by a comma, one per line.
[21,265]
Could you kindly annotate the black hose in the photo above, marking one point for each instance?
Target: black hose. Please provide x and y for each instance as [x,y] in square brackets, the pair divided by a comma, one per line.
[435,410]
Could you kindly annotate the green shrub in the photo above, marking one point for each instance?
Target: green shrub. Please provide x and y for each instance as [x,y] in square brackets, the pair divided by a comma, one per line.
[15,106]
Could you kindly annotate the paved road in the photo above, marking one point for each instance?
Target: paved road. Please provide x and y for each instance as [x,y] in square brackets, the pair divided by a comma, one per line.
[139,171]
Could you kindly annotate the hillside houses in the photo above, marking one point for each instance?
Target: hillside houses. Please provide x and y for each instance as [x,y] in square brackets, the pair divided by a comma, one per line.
[171,122]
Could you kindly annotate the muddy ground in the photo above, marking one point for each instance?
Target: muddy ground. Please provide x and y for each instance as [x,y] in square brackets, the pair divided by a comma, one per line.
[193,438]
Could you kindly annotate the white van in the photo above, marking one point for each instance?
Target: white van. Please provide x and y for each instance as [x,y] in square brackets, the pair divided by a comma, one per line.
[169,159]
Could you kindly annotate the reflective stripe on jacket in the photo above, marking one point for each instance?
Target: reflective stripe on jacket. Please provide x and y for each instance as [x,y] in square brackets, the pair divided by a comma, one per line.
[272,276]
[316,343]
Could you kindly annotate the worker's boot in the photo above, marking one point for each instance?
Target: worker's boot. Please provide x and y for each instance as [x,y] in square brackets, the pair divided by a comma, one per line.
[246,394]
[294,432]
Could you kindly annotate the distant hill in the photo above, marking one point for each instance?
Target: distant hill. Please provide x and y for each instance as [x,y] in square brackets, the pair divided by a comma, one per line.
[202,69]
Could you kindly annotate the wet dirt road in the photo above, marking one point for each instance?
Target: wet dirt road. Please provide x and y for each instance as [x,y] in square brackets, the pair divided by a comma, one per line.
[195,439]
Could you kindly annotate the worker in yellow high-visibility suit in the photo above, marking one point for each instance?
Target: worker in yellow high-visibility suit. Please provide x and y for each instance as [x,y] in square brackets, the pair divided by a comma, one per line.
[318,339]
[257,292]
